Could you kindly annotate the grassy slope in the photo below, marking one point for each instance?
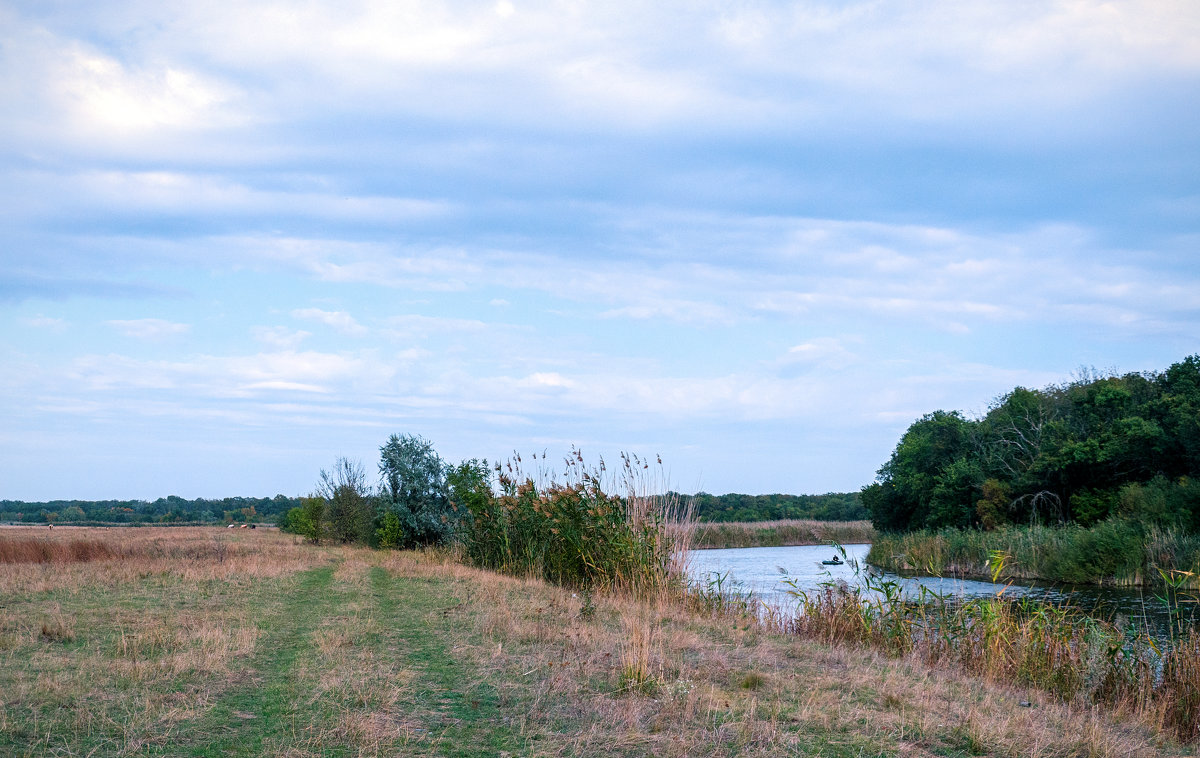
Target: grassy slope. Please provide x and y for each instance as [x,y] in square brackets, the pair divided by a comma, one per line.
[348,652]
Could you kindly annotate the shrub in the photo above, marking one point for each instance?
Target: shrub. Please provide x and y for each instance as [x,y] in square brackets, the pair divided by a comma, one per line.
[389,533]
[349,505]
[296,521]
[572,531]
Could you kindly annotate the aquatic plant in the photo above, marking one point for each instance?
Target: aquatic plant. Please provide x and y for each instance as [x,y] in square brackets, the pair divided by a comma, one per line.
[1055,648]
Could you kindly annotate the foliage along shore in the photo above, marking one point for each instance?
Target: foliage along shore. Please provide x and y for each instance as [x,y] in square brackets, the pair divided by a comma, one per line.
[1101,447]
[781,533]
[1114,553]
[1095,481]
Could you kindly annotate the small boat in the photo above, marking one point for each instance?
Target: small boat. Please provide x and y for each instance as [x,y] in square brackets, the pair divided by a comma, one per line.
[834,562]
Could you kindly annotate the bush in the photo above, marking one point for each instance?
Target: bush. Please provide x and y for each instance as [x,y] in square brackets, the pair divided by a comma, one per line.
[296,521]
[349,506]
[571,532]
[389,533]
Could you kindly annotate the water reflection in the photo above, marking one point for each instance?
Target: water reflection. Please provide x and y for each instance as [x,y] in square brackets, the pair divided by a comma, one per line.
[764,570]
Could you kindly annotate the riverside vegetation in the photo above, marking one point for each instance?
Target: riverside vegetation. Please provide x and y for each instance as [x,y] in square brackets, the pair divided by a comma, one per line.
[1114,552]
[783,532]
[1096,480]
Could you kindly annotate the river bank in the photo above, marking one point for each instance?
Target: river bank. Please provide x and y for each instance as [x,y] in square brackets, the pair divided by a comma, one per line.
[250,643]
[781,533]
[1112,553]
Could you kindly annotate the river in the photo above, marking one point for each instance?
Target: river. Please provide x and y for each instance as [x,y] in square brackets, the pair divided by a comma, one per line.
[770,572]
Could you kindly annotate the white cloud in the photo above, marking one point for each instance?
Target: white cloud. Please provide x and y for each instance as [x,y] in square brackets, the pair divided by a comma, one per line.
[820,352]
[415,326]
[107,95]
[45,322]
[547,380]
[149,328]
[209,376]
[279,336]
[339,320]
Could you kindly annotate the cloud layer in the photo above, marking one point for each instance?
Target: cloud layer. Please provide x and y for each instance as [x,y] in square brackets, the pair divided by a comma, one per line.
[757,239]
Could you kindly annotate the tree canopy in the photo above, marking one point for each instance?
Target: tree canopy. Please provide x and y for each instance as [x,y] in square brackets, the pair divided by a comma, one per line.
[1094,448]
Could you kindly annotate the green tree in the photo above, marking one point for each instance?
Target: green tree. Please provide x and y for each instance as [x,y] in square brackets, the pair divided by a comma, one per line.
[390,532]
[413,487]
[901,496]
[348,500]
[296,521]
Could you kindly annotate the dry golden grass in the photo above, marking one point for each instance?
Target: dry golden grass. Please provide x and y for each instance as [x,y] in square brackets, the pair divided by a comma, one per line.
[122,655]
[652,678]
[139,634]
[189,554]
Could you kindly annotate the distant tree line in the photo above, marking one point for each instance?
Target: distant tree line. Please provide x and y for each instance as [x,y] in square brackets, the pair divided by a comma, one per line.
[165,510]
[416,499]
[1095,448]
[833,506]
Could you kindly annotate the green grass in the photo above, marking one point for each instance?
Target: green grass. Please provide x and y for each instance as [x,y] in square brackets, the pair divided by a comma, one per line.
[261,712]
[410,623]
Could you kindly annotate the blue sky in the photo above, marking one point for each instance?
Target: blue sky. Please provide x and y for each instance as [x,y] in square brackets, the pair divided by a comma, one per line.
[757,238]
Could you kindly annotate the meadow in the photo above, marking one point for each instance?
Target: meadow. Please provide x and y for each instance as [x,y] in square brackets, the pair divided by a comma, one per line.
[202,641]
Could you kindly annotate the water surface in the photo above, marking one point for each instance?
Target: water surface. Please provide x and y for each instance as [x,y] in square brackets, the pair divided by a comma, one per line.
[773,573]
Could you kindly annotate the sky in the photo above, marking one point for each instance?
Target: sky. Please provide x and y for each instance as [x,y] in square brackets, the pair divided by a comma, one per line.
[240,240]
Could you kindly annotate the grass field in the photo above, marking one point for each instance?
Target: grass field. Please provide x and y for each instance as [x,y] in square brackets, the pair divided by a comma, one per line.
[202,642]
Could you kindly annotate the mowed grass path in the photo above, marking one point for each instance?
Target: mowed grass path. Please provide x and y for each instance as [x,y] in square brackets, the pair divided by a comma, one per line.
[400,691]
[343,658]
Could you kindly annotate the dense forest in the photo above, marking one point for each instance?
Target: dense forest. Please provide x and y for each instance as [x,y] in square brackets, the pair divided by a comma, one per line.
[833,506]
[165,510]
[1095,448]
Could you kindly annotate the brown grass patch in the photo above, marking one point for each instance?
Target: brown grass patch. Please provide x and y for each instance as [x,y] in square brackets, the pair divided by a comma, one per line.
[728,686]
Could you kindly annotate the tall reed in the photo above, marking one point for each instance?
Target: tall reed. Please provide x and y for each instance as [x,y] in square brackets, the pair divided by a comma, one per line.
[571,529]
[778,533]
[1111,552]
[1059,650]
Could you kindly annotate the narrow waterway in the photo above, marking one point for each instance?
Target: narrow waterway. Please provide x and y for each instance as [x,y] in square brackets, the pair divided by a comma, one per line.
[774,573]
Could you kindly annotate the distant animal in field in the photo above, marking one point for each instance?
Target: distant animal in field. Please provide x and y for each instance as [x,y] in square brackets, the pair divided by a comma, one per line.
[231,526]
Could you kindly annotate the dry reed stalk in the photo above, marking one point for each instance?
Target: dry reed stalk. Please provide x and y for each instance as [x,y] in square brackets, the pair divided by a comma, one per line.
[782,532]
